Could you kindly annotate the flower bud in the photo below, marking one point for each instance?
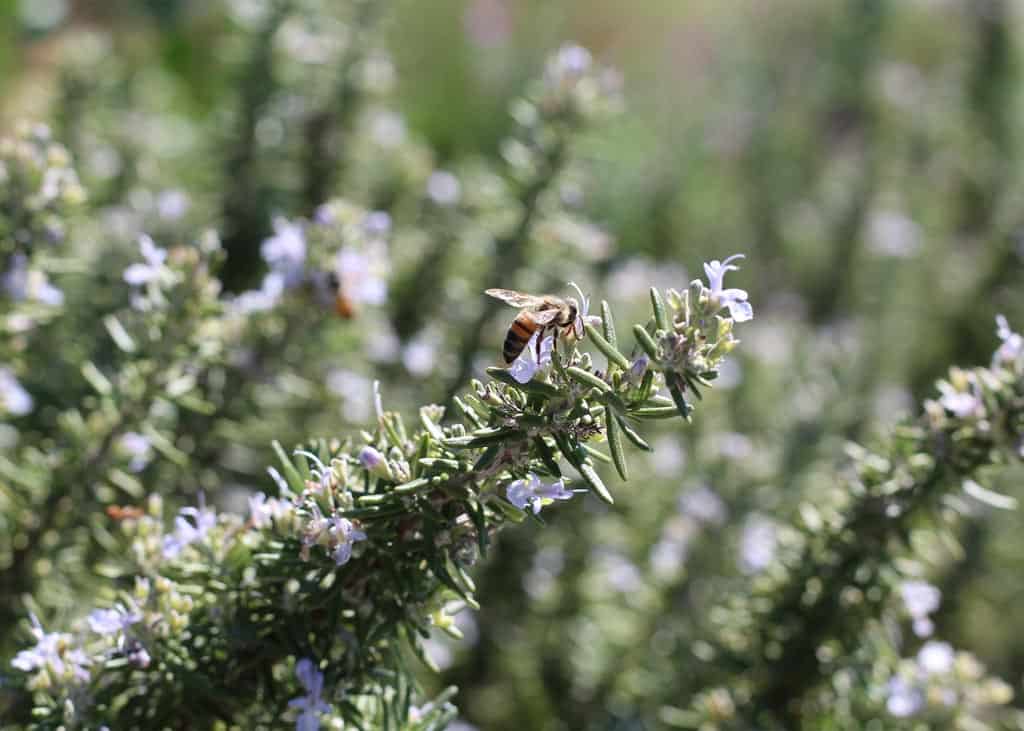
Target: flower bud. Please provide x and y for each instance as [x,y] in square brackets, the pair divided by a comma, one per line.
[374,462]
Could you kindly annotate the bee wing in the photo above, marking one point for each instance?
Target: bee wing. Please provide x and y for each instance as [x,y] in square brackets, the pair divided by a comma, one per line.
[516,299]
[544,317]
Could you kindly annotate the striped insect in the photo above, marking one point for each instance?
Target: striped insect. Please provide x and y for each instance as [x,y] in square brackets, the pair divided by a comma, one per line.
[538,313]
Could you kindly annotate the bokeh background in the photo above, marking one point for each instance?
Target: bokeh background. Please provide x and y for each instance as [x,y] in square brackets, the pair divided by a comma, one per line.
[863,154]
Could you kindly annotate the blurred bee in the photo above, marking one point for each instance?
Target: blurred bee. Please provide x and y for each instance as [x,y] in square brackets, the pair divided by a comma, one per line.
[124,512]
[539,312]
[330,293]
[343,305]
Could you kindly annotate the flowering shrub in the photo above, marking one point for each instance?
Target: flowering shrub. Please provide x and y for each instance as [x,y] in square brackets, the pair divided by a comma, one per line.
[258,468]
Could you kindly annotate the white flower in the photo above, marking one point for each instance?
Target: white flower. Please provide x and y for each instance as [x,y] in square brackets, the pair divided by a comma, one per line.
[312,704]
[529,361]
[139,274]
[285,251]
[535,493]
[733,299]
[14,399]
[935,658]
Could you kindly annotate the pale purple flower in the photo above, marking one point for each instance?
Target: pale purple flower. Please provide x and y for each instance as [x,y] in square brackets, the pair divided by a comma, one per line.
[904,699]
[14,399]
[53,652]
[138,448]
[529,362]
[758,544]
[961,404]
[115,620]
[443,188]
[342,534]
[362,275]
[733,299]
[1012,347]
[377,224]
[921,599]
[533,492]
[285,251]
[264,510]
[139,274]
[171,205]
[371,459]
[312,704]
[262,299]
[191,525]
[703,505]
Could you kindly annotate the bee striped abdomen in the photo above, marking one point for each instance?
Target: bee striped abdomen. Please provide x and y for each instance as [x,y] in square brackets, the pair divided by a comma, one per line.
[518,335]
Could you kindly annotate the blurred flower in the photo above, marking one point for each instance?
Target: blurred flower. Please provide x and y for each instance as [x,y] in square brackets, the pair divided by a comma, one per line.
[891,233]
[758,543]
[139,274]
[420,356]
[668,457]
[620,573]
[920,599]
[904,699]
[387,129]
[362,275]
[703,505]
[1013,344]
[285,251]
[22,283]
[53,652]
[354,390]
[171,205]
[531,491]
[262,299]
[186,531]
[14,399]
[935,658]
[138,447]
[443,188]
[529,362]
[264,510]
[960,403]
[112,621]
[733,299]
[312,704]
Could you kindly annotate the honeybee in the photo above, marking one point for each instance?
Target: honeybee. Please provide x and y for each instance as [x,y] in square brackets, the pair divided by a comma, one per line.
[539,312]
[344,307]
